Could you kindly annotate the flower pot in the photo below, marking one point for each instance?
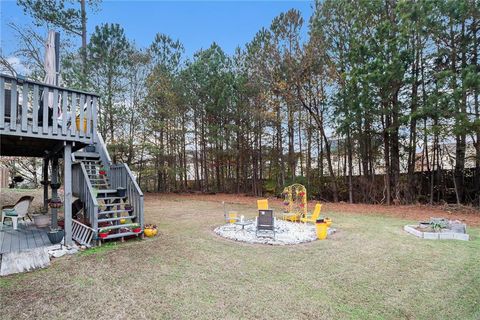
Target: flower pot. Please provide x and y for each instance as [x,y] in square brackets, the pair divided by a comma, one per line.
[102,172]
[150,232]
[41,220]
[103,235]
[121,192]
[90,148]
[55,205]
[137,230]
[55,185]
[56,236]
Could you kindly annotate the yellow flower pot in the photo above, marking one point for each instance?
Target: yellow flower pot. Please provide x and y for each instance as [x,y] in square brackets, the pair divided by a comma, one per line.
[122,221]
[150,232]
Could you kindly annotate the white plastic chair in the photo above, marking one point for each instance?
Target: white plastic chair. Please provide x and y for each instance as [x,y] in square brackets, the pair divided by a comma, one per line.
[18,211]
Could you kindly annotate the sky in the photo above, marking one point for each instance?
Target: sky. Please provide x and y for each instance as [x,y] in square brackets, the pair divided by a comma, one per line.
[195,23]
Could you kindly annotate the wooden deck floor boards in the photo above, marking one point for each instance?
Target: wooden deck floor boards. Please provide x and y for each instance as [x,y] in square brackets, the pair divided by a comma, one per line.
[26,237]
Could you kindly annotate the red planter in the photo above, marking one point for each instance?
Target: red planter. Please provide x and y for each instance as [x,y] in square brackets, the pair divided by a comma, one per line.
[137,230]
[103,235]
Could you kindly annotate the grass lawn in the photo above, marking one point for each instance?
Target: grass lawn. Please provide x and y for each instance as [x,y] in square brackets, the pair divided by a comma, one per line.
[370,269]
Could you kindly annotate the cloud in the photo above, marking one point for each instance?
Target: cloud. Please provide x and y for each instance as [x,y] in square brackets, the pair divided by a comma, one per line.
[19,67]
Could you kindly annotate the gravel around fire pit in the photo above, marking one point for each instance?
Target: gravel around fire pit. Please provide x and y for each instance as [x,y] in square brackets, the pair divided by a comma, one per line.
[285,233]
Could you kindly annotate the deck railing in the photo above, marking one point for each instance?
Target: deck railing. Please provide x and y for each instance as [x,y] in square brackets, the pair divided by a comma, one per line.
[82,188]
[121,176]
[35,109]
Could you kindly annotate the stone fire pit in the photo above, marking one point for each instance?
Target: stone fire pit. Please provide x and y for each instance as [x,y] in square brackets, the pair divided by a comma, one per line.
[285,233]
[439,229]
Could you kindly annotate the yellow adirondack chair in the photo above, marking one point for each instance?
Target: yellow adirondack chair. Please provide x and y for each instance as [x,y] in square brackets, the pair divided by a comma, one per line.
[262,204]
[293,217]
[314,216]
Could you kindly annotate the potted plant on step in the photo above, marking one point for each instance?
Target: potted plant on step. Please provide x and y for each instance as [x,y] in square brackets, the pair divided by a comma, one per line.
[55,235]
[136,228]
[103,233]
[102,171]
[55,203]
[121,192]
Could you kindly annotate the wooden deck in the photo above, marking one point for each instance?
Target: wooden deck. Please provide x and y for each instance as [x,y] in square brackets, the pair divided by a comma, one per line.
[28,236]
[36,117]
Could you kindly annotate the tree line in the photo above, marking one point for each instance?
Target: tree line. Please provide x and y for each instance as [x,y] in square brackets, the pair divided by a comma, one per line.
[367,101]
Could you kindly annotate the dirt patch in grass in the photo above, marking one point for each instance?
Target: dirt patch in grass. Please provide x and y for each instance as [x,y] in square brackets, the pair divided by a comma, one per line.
[466,214]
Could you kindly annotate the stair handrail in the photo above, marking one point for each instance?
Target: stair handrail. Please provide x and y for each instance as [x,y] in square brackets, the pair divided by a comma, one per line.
[103,151]
[122,176]
[133,179]
[83,189]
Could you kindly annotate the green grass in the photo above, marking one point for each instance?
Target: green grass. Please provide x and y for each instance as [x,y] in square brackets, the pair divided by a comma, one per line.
[370,269]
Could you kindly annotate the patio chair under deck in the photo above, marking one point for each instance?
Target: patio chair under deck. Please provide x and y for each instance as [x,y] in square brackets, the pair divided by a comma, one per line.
[17,211]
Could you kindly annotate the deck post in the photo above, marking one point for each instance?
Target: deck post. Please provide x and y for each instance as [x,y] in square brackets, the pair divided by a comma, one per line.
[54,191]
[67,203]
[45,184]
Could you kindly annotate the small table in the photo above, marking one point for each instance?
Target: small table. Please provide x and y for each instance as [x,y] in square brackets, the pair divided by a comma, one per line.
[243,223]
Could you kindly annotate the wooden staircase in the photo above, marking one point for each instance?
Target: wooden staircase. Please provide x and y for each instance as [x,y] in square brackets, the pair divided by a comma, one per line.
[105,208]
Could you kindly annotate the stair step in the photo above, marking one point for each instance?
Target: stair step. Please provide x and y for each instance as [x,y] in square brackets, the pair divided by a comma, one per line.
[80,154]
[107,190]
[116,219]
[112,204]
[119,235]
[98,179]
[112,211]
[111,198]
[118,226]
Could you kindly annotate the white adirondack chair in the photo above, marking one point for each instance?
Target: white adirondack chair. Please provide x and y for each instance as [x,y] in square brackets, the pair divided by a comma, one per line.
[18,211]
